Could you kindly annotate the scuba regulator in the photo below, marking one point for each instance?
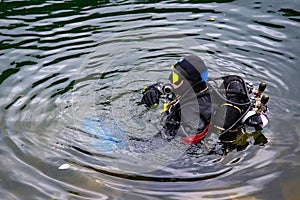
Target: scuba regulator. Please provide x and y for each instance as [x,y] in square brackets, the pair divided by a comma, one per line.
[165,89]
[256,116]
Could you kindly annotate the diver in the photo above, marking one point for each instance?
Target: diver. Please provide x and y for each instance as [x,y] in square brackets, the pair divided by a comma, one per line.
[195,105]
[190,112]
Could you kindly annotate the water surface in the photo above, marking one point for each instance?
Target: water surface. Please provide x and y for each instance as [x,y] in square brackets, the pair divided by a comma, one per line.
[64,63]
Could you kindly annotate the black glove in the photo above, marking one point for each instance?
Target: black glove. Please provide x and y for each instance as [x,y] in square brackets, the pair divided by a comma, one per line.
[151,96]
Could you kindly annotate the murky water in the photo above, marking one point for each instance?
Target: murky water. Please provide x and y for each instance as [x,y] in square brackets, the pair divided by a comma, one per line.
[71,71]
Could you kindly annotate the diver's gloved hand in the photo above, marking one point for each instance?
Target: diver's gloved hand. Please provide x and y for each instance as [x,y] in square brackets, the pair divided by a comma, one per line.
[151,95]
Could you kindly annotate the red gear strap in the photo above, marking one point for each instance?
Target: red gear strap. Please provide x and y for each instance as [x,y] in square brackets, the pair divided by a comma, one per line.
[194,139]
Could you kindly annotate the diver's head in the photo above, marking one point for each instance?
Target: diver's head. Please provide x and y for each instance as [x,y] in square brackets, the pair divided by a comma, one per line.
[189,70]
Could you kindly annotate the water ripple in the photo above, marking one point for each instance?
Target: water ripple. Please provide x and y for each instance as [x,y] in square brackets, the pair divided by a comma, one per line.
[65,61]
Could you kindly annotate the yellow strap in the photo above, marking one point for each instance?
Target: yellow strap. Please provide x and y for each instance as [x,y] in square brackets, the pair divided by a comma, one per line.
[169,106]
[204,89]
[228,104]
[223,129]
[235,81]
[164,108]
[218,127]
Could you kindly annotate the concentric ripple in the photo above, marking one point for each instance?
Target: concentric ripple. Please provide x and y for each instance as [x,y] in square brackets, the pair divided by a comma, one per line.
[71,75]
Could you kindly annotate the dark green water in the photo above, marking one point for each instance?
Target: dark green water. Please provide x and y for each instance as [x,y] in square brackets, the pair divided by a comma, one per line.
[63,61]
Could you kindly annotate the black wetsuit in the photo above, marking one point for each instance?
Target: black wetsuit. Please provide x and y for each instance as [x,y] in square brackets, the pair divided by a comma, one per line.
[188,116]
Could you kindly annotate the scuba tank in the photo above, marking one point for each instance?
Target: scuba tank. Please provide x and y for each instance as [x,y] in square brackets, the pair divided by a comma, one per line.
[239,106]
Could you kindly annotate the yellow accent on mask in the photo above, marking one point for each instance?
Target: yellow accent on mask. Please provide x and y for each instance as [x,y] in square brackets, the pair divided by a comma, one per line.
[175,77]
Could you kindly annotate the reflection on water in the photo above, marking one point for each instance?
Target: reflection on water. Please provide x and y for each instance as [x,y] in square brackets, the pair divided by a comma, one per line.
[65,61]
